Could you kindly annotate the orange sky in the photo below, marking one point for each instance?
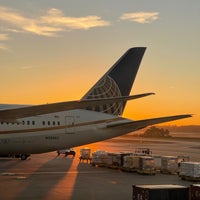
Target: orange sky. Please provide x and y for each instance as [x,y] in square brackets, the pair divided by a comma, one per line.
[51,53]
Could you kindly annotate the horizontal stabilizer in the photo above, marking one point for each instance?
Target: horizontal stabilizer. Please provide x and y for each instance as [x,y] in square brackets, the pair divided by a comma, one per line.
[136,125]
[29,111]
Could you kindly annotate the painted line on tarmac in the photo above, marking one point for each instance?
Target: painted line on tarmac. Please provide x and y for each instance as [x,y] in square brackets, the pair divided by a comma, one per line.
[43,173]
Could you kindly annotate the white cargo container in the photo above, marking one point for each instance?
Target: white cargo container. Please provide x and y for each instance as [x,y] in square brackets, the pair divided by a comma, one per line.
[85,153]
[146,165]
[99,158]
[169,164]
[131,163]
[190,170]
[157,162]
[115,160]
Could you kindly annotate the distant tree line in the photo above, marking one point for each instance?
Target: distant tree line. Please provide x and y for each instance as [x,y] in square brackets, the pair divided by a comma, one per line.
[186,129]
[156,132]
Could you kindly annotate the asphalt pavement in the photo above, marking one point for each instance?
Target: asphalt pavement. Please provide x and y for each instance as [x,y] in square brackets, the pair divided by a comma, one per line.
[48,176]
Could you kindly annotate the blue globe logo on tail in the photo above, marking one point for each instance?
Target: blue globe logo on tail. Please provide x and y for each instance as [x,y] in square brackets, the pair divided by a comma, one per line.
[106,88]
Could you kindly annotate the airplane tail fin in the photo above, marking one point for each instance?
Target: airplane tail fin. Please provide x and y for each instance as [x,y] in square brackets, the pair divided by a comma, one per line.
[117,82]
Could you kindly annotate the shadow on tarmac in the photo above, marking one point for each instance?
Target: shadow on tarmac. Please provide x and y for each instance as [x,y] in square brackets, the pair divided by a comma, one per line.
[45,177]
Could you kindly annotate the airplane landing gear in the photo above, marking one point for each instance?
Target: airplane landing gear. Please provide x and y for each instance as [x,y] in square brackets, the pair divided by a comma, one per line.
[24,156]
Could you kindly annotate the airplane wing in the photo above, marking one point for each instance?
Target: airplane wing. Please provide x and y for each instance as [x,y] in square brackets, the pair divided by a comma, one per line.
[10,115]
[139,124]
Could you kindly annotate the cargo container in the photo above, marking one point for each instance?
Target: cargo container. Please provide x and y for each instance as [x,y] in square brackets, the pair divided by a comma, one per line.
[99,158]
[190,171]
[157,162]
[160,192]
[116,160]
[146,165]
[131,163]
[195,192]
[169,164]
[85,154]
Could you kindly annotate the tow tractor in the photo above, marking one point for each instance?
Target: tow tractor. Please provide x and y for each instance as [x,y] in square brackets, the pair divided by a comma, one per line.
[143,151]
[66,152]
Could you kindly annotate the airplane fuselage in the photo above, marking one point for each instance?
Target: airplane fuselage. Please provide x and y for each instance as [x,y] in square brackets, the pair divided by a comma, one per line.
[49,132]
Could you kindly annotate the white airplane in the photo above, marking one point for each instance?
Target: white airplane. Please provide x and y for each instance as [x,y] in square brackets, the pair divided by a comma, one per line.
[26,130]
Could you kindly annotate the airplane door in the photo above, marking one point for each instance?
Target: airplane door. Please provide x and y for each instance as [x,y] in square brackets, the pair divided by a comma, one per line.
[69,121]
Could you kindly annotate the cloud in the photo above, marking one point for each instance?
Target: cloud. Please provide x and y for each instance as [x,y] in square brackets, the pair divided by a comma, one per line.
[30,67]
[49,24]
[141,17]
[3,37]
[56,18]
[3,47]
[26,67]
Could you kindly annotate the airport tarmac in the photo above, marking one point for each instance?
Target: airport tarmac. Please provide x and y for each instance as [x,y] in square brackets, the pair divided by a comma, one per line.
[48,176]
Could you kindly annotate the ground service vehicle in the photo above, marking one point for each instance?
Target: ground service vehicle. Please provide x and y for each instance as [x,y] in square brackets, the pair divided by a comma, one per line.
[66,152]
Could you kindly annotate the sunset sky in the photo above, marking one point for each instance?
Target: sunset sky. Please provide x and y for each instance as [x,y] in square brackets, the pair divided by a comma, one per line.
[52,51]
